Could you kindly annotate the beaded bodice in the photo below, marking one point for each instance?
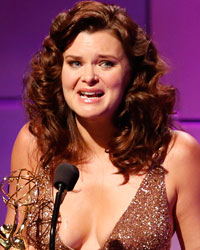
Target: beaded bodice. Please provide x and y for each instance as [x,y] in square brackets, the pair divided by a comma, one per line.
[144,225]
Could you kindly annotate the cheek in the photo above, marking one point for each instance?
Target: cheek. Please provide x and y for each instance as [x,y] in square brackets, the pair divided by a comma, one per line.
[67,79]
[116,82]
[111,79]
[63,77]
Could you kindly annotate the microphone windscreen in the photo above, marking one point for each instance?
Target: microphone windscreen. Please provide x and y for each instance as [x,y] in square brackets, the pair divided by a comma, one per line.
[67,175]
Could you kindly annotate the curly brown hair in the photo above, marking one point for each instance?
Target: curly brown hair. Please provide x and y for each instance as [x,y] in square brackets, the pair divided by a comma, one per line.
[143,119]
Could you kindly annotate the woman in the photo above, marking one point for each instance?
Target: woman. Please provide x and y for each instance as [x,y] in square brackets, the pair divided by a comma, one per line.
[94,99]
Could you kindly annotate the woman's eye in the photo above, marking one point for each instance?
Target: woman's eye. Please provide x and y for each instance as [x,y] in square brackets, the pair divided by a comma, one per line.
[107,64]
[74,64]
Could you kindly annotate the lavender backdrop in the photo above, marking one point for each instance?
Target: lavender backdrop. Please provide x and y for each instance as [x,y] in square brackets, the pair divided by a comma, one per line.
[23,25]
[175,27]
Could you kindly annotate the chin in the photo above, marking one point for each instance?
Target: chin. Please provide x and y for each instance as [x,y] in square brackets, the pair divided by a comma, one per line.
[94,117]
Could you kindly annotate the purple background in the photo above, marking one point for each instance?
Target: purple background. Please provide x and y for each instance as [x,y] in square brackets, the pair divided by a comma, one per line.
[175,28]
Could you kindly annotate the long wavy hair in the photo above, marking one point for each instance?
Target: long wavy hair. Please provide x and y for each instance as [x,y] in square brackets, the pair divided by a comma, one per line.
[143,120]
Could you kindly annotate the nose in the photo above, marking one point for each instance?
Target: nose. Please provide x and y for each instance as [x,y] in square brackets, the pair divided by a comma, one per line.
[88,75]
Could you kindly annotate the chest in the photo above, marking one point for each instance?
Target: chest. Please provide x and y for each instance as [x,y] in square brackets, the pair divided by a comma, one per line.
[101,213]
[94,207]
[96,210]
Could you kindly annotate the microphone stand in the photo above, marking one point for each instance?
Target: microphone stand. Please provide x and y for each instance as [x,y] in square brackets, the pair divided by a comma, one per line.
[55,216]
[66,176]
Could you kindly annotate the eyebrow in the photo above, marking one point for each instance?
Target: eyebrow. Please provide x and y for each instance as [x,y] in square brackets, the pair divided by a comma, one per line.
[99,56]
[74,57]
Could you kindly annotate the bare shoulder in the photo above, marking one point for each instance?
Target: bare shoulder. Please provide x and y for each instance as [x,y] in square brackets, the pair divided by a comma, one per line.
[183,165]
[24,134]
[183,150]
[183,161]
[184,141]
[24,156]
[24,153]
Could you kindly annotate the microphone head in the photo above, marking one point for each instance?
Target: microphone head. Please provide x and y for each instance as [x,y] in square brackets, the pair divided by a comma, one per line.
[67,175]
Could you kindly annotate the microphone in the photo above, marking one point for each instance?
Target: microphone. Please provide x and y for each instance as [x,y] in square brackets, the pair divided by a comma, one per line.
[66,176]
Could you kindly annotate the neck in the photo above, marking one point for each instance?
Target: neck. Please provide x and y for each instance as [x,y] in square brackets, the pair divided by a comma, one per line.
[96,134]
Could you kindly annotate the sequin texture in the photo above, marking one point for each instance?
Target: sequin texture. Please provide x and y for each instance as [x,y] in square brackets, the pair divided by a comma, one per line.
[145,225]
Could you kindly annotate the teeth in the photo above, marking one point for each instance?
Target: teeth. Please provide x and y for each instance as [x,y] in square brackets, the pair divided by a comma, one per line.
[91,94]
[88,93]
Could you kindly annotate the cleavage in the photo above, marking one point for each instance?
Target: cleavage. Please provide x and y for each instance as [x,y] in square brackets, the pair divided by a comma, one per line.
[91,212]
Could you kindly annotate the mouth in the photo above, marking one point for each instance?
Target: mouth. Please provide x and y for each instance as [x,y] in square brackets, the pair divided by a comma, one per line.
[91,94]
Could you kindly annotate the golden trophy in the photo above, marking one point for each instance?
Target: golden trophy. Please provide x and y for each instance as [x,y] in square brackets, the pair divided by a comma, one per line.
[24,193]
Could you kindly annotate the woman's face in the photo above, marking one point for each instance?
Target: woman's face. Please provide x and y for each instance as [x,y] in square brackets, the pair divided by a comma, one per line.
[95,74]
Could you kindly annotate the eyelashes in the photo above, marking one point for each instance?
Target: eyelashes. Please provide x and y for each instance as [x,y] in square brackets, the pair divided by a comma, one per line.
[106,64]
[74,64]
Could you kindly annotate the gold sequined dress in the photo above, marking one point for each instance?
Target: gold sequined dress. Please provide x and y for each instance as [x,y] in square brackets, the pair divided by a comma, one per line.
[145,225]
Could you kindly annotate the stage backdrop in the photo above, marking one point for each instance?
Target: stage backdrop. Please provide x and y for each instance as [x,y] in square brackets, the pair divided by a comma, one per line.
[175,27]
